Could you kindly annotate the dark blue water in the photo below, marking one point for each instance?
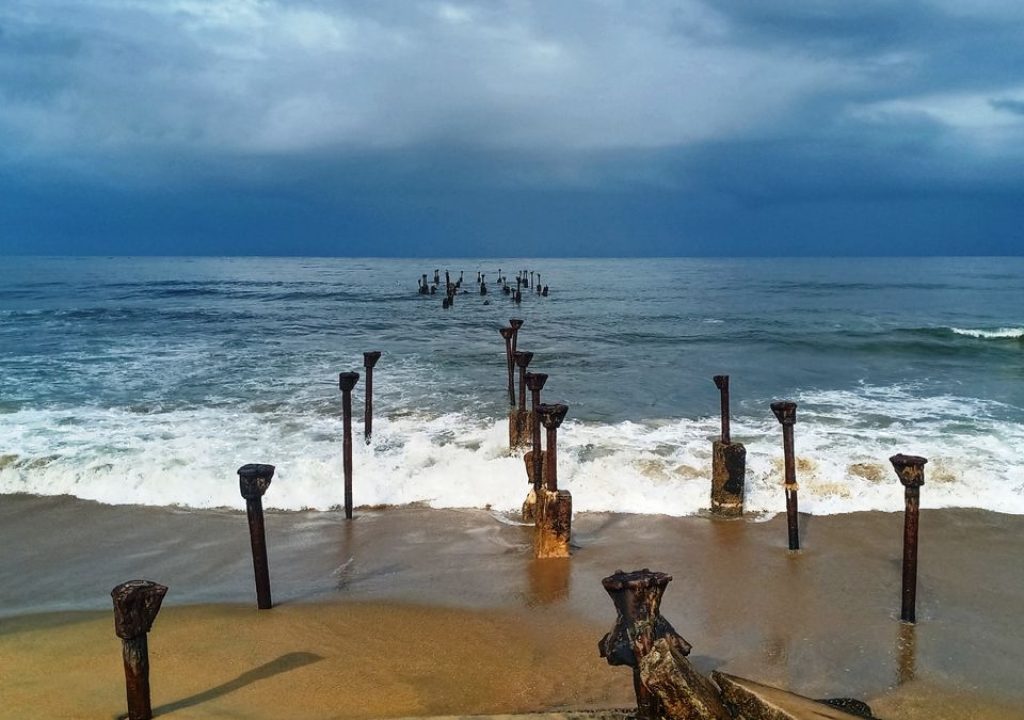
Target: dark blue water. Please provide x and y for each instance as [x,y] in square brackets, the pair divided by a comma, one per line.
[130,366]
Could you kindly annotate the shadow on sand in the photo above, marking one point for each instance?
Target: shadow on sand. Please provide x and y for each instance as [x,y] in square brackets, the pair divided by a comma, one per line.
[285,663]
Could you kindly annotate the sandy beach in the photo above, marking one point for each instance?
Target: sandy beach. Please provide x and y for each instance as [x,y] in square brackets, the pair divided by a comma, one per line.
[415,611]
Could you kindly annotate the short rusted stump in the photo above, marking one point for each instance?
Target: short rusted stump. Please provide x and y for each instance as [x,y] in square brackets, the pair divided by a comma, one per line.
[136,604]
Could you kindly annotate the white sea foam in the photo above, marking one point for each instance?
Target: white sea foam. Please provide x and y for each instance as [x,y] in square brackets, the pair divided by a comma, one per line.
[843,442]
[999,333]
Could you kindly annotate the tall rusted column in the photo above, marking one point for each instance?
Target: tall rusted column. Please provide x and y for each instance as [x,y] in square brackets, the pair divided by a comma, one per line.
[253,481]
[722,383]
[554,507]
[910,470]
[516,324]
[519,417]
[506,334]
[638,624]
[136,604]
[728,463]
[347,381]
[369,360]
[785,412]
[535,383]
[552,417]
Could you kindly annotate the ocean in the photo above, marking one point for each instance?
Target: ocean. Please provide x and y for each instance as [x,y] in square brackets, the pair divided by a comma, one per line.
[151,380]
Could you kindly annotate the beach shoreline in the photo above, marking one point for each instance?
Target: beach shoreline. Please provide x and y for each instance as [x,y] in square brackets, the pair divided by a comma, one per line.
[446,611]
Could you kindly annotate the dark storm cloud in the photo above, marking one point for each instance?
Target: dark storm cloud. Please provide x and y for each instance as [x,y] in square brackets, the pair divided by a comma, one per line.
[264,119]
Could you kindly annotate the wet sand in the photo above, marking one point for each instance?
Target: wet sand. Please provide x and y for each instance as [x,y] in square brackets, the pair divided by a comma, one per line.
[412,611]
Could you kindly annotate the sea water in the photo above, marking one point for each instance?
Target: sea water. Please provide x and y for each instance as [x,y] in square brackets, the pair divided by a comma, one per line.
[150,380]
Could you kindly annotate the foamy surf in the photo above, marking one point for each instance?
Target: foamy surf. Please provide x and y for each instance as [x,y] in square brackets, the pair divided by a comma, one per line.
[843,442]
[1006,333]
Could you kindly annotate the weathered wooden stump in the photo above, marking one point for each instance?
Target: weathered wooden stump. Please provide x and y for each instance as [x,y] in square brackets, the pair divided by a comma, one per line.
[136,604]
[666,685]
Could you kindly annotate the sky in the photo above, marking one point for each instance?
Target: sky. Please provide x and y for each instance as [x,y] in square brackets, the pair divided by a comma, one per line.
[512,127]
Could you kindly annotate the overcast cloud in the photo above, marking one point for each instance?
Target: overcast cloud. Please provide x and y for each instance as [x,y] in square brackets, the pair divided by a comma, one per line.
[369,112]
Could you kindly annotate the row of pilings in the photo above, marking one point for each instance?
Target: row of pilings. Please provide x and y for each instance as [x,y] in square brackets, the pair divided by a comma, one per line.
[137,602]
[528,280]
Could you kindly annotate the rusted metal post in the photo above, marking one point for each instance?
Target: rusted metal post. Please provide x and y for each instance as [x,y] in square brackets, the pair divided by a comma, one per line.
[785,412]
[347,381]
[369,360]
[519,417]
[515,324]
[910,470]
[253,481]
[728,463]
[638,623]
[552,417]
[507,333]
[535,383]
[722,383]
[136,604]
[553,513]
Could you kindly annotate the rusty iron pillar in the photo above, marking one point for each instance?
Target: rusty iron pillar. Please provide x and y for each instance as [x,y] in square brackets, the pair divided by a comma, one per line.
[516,324]
[785,412]
[136,604]
[507,333]
[910,470]
[253,481]
[553,513]
[519,417]
[369,360]
[728,463]
[722,383]
[638,623]
[535,458]
[347,381]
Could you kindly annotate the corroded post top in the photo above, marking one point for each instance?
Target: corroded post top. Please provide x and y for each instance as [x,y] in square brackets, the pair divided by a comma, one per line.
[535,381]
[523,358]
[254,479]
[552,415]
[785,411]
[370,358]
[506,332]
[136,604]
[721,382]
[909,469]
[516,323]
[635,580]
[347,380]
